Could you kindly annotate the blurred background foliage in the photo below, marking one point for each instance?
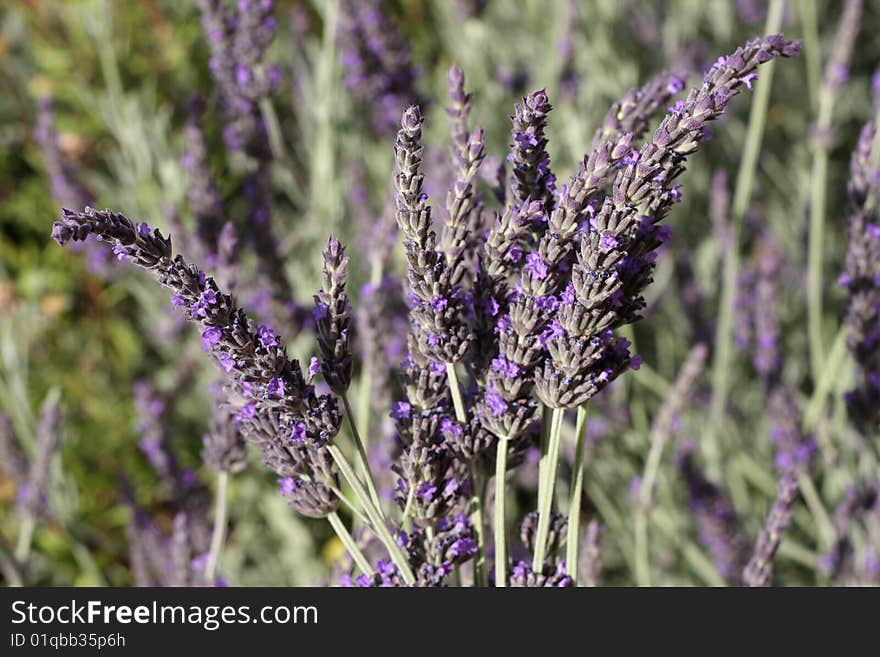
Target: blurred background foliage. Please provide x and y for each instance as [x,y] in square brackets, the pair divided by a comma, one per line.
[121,73]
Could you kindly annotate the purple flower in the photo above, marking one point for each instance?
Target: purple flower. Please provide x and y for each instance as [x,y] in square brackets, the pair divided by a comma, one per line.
[210,337]
[552,332]
[247,412]
[504,367]
[439,303]
[267,336]
[426,491]
[451,427]
[630,158]
[287,485]
[319,312]
[496,403]
[227,362]
[315,366]
[275,387]
[437,368]
[547,303]
[608,241]
[143,229]
[401,410]
[537,266]
[177,300]
[298,433]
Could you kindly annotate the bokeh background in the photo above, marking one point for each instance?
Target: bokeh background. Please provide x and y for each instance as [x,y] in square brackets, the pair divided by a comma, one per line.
[121,75]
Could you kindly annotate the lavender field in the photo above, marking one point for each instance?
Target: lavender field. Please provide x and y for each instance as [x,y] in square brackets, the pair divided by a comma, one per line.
[519,293]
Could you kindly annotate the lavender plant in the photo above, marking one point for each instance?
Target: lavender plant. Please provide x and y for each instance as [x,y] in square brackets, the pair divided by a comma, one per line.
[509,311]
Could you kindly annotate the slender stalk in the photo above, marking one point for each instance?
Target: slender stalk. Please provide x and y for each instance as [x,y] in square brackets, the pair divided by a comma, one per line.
[824,526]
[454,388]
[545,434]
[721,365]
[811,48]
[649,476]
[500,525]
[546,491]
[353,550]
[572,541]
[476,498]
[9,567]
[219,532]
[362,453]
[25,538]
[356,512]
[376,520]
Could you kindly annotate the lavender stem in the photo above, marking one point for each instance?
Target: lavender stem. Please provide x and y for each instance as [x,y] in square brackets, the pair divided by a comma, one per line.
[828,92]
[9,566]
[742,195]
[25,538]
[376,519]
[546,491]
[349,543]
[476,500]
[574,507]
[362,454]
[219,533]
[500,528]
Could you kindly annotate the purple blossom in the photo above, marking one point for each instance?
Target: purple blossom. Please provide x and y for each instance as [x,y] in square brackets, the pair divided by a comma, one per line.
[287,485]
[227,362]
[267,336]
[401,410]
[298,433]
[496,403]
[505,368]
[439,303]
[537,266]
[247,412]
[210,337]
[275,387]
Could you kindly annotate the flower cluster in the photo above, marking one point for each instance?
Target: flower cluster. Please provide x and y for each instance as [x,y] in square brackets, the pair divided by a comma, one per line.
[861,279]
[379,70]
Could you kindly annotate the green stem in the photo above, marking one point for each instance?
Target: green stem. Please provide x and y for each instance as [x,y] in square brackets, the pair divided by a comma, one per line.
[545,435]
[818,180]
[811,49]
[649,476]
[721,365]
[820,516]
[25,538]
[476,499]
[351,505]
[499,528]
[219,532]
[546,491]
[572,541]
[376,520]
[362,453]
[480,575]
[14,577]
[349,543]
[454,388]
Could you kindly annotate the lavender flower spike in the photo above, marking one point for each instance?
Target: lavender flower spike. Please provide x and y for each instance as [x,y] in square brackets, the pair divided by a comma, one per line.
[333,319]
[759,570]
[532,178]
[33,494]
[861,278]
